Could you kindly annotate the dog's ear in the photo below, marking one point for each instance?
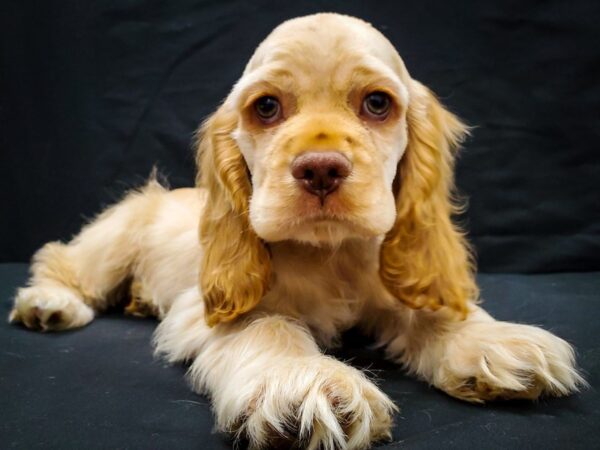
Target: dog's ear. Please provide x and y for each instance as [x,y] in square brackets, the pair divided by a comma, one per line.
[235,268]
[425,260]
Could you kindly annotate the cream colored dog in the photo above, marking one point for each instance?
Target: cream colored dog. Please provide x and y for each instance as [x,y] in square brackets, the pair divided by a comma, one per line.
[324,202]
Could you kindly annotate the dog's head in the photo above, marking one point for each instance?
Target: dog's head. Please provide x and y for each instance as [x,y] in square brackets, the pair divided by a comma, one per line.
[325,137]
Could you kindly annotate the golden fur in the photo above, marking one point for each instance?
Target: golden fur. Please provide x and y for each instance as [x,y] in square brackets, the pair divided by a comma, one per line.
[252,276]
[424,259]
[235,267]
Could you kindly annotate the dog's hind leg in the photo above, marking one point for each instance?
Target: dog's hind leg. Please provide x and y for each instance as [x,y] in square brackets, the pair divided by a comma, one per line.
[70,282]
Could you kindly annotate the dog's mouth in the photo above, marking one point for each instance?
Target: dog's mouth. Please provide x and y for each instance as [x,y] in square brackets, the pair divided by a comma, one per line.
[302,216]
[322,207]
[321,212]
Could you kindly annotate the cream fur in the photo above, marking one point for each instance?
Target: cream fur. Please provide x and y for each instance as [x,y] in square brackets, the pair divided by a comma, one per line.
[280,280]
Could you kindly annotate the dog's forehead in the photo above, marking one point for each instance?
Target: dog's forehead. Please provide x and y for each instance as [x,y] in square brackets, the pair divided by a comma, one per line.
[323,39]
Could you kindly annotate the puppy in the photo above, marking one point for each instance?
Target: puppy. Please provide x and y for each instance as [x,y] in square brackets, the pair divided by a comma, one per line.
[324,202]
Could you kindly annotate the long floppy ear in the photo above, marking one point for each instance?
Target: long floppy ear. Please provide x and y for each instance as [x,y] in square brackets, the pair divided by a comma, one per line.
[235,268]
[425,260]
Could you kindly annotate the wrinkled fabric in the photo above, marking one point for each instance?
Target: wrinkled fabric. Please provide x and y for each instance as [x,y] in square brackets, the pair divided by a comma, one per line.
[93,94]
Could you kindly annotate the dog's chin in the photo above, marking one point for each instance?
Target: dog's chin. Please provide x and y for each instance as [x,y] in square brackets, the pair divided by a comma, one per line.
[328,232]
[323,231]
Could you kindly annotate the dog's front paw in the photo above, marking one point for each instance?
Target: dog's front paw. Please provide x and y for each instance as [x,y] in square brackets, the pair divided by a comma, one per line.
[311,403]
[500,360]
[50,308]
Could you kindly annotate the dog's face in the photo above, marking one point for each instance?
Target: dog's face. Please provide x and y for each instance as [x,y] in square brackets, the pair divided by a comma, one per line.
[326,137]
[322,126]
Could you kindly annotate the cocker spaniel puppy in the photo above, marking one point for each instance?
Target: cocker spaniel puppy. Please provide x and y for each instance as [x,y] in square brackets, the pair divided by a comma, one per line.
[324,202]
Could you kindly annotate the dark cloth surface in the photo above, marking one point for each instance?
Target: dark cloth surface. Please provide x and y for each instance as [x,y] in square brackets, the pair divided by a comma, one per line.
[99,387]
[94,93]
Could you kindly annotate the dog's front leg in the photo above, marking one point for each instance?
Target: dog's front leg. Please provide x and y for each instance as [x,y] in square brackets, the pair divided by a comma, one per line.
[478,358]
[270,384]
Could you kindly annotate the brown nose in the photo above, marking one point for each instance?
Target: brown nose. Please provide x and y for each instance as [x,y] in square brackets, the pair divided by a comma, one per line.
[321,173]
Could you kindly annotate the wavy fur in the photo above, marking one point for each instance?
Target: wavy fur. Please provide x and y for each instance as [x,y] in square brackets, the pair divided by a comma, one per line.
[425,261]
[234,272]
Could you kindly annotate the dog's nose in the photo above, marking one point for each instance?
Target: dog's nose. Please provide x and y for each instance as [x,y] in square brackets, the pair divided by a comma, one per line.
[321,173]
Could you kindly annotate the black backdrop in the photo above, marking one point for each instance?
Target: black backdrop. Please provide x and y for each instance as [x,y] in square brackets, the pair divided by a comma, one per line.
[92,94]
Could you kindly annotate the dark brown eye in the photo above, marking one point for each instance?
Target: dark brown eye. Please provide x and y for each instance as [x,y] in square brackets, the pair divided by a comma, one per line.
[268,109]
[377,105]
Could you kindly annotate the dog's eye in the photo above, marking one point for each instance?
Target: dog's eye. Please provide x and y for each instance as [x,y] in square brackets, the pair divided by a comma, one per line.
[377,105]
[268,109]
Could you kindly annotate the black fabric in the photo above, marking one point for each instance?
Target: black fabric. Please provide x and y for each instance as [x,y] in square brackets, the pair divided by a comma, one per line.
[99,387]
[93,94]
